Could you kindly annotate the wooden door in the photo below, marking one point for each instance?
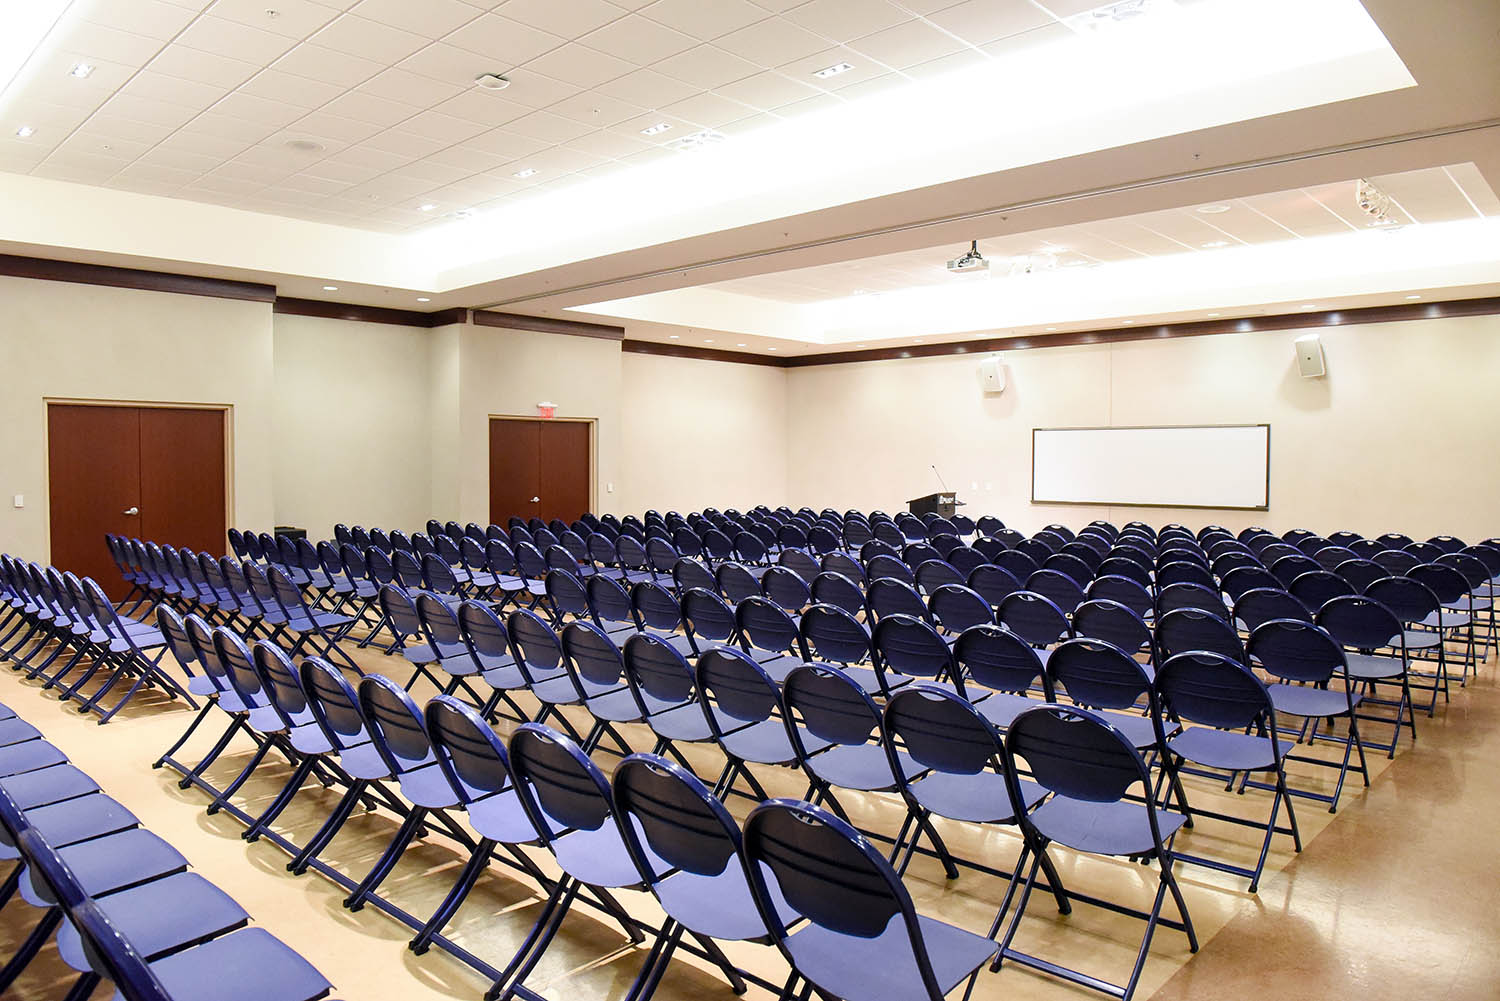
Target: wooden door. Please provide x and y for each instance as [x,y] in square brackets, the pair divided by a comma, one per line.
[539,468]
[565,470]
[154,473]
[93,479]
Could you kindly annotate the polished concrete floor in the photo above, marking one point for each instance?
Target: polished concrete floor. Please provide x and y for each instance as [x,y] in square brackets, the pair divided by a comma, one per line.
[1393,897]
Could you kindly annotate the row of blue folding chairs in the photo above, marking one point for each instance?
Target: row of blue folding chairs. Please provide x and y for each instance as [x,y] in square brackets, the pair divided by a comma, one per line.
[121,903]
[66,631]
[934,748]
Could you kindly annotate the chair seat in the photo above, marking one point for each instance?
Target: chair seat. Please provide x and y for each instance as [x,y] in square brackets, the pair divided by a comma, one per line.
[16,730]
[1450,619]
[1001,708]
[777,665]
[1305,700]
[980,798]
[48,785]
[461,666]
[160,917]
[598,857]
[1118,828]
[76,820]
[764,742]
[247,965]
[105,865]
[362,761]
[719,906]
[427,786]
[859,766]
[28,756]
[617,706]
[501,818]
[1138,729]
[1421,639]
[202,684]
[683,722]
[1227,749]
[882,968]
[1369,667]
[503,677]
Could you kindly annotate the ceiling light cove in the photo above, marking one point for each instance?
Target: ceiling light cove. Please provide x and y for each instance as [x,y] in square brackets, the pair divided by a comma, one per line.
[26,24]
[834,70]
[657,129]
[81,71]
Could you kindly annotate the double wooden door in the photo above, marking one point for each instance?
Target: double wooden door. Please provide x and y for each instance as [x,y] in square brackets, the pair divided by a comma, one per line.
[540,468]
[154,473]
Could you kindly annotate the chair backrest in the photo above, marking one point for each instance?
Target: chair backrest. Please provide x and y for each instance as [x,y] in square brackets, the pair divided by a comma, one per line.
[1360,622]
[765,625]
[1213,690]
[942,731]
[609,602]
[1099,674]
[659,675]
[1361,573]
[1113,622]
[690,573]
[538,649]
[706,618]
[787,587]
[1176,596]
[954,608]
[1450,586]
[830,874]
[831,706]
[334,703]
[396,725]
[832,588]
[993,583]
[1063,591]
[1077,754]
[1186,572]
[655,608]
[735,581]
[1249,578]
[1186,629]
[239,668]
[933,574]
[483,633]
[888,596]
[592,655]
[1408,599]
[1295,651]
[831,634]
[566,796]
[1316,587]
[1033,617]
[732,685]
[996,658]
[468,749]
[909,645]
[1262,604]
[1078,570]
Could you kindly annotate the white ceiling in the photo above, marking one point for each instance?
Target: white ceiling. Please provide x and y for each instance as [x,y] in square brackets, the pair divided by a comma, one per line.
[198,100]
[1430,195]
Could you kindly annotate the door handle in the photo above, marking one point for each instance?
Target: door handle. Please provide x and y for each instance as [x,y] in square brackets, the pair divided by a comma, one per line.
[131,510]
[536,500]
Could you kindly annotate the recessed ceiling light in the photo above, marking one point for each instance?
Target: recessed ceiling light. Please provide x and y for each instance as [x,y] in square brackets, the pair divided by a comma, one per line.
[521,175]
[697,140]
[80,70]
[708,340]
[304,146]
[1213,314]
[1051,328]
[464,214]
[1129,322]
[330,288]
[739,345]
[1213,209]
[26,132]
[916,340]
[491,81]
[1414,297]
[1211,244]
[672,337]
[1310,306]
[770,349]
[834,70]
[860,345]
[426,208]
[657,129]
[424,298]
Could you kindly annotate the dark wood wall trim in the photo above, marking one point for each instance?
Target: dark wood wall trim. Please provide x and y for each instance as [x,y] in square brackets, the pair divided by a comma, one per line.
[149,281]
[700,354]
[547,325]
[1114,335]
[367,314]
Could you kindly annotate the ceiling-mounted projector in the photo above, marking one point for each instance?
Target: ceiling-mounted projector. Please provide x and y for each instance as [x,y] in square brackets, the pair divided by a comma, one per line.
[972,261]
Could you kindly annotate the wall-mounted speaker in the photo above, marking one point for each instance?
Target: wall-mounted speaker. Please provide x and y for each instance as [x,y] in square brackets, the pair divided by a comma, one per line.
[1310,363]
[992,374]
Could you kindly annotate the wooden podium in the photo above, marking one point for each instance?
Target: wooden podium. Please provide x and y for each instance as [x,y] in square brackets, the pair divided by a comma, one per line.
[944,505]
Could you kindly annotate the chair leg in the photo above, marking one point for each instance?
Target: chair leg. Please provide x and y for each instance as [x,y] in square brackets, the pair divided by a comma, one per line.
[476,865]
[186,734]
[233,787]
[39,937]
[193,774]
[536,941]
[336,820]
[282,801]
[387,861]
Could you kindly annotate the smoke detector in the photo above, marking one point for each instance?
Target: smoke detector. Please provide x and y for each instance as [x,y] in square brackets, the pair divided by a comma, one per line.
[491,81]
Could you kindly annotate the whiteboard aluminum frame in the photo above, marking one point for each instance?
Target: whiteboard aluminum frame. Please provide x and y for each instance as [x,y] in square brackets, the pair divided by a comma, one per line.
[1155,427]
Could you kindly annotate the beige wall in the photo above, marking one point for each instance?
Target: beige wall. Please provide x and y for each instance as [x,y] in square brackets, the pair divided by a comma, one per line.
[701,433]
[352,433]
[507,373]
[61,340]
[1399,436]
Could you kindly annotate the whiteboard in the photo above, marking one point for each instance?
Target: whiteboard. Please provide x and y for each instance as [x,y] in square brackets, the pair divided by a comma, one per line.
[1225,466]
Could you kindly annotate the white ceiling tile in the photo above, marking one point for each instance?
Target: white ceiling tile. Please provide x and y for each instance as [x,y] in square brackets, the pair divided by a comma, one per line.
[707,67]
[113,44]
[547,126]
[537,90]
[50,74]
[704,20]
[962,60]
[469,159]
[181,160]
[865,68]
[502,42]
[679,127]
[751,124]
[1067,8]
[249,172]
[820,103]
[580,65]
[359,36]
[1045,35]
[366,156]
[230,127]
[187,63]
[638,40]
[78,173]
[562,160]
[288,88]
[190,140]
[430,18]
[102,146]
[772,42]
[322,125]
[329,65]
[410,88]
[609,144]
[483,107]
[151,18]
[648,156]
[406,144]
[647,89]
[708,110]
[112,126]
[430,170]
[294,18]
[767,90]
[570,19]
[446,128]
[497,143]
[160,87]
[150,111]
[980,21]
[218,184]
[231,38]
[369,108]
[884,82]
[349,173]
[258,109]
[907,44]
[595,109]
[841,20]
[441,61]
